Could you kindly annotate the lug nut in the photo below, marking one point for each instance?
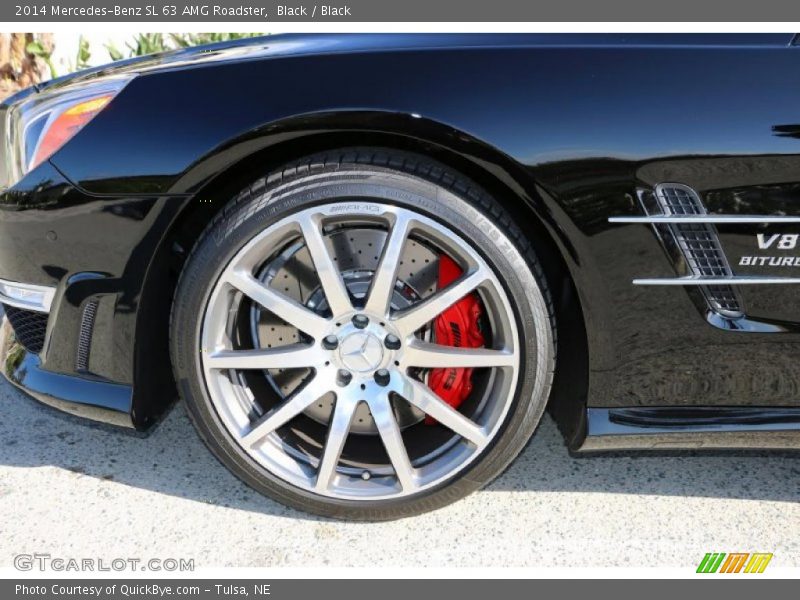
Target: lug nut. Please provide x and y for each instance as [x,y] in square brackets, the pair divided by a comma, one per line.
[392,342]
[382,377]
[329,342]
[360,321]
[343,377]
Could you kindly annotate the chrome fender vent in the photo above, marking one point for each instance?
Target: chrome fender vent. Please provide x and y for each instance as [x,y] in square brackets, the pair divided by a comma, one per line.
[699,244]
[689,235]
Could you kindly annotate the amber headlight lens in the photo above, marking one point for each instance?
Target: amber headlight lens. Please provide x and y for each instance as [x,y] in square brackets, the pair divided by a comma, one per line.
[36,127]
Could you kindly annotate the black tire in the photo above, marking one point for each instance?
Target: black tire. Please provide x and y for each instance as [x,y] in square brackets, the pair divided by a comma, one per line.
[404,178]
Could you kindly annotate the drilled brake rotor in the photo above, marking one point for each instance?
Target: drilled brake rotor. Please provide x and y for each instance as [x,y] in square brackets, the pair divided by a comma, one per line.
[357,252]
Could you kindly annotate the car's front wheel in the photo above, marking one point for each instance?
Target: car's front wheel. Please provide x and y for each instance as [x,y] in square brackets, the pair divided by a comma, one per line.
[363,334]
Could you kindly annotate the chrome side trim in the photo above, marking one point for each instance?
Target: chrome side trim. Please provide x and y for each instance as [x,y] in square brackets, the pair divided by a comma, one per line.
[740,219]
[41,304]
[736,280]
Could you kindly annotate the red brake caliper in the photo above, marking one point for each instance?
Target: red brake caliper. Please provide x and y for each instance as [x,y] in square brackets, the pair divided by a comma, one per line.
[457,326]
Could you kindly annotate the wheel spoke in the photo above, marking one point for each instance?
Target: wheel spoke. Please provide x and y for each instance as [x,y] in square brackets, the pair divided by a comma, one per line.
[329,276]
[380,291]
[423,354]
[286,357]
[285,412]
[282,306]
[338,430]
[428,402]
[389,431]
[411,319]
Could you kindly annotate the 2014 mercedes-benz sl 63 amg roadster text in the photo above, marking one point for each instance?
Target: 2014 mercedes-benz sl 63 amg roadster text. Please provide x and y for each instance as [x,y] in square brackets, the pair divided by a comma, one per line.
[369,263]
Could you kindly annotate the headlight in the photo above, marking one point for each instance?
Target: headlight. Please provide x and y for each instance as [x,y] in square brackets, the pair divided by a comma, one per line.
[41,123]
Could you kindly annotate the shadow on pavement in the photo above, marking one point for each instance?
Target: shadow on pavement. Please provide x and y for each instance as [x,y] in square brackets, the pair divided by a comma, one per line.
[173,460]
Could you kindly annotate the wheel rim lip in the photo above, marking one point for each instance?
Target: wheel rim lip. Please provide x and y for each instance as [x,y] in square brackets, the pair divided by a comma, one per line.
[270,454]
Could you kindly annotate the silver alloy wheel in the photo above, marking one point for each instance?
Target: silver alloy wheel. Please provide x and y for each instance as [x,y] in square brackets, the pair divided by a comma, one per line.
[364,355]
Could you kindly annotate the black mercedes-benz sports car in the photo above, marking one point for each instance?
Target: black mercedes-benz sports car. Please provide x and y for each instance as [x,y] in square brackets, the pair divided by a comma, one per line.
[369,263]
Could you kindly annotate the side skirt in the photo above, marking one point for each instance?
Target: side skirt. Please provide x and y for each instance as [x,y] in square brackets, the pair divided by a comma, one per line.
[691,428]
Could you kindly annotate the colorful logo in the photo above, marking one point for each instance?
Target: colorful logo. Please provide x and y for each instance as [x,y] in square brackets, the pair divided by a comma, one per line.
[734,562]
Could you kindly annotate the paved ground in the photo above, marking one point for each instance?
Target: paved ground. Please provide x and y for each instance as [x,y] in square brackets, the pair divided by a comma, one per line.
[73,489]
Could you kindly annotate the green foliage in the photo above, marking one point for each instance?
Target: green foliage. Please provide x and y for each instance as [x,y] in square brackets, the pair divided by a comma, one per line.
[184,40]
[37,49]
[142,44]
[82,59]
[114,52]
[147,43]
[150,43]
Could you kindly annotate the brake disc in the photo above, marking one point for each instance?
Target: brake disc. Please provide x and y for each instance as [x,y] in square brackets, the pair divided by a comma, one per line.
[357,252]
